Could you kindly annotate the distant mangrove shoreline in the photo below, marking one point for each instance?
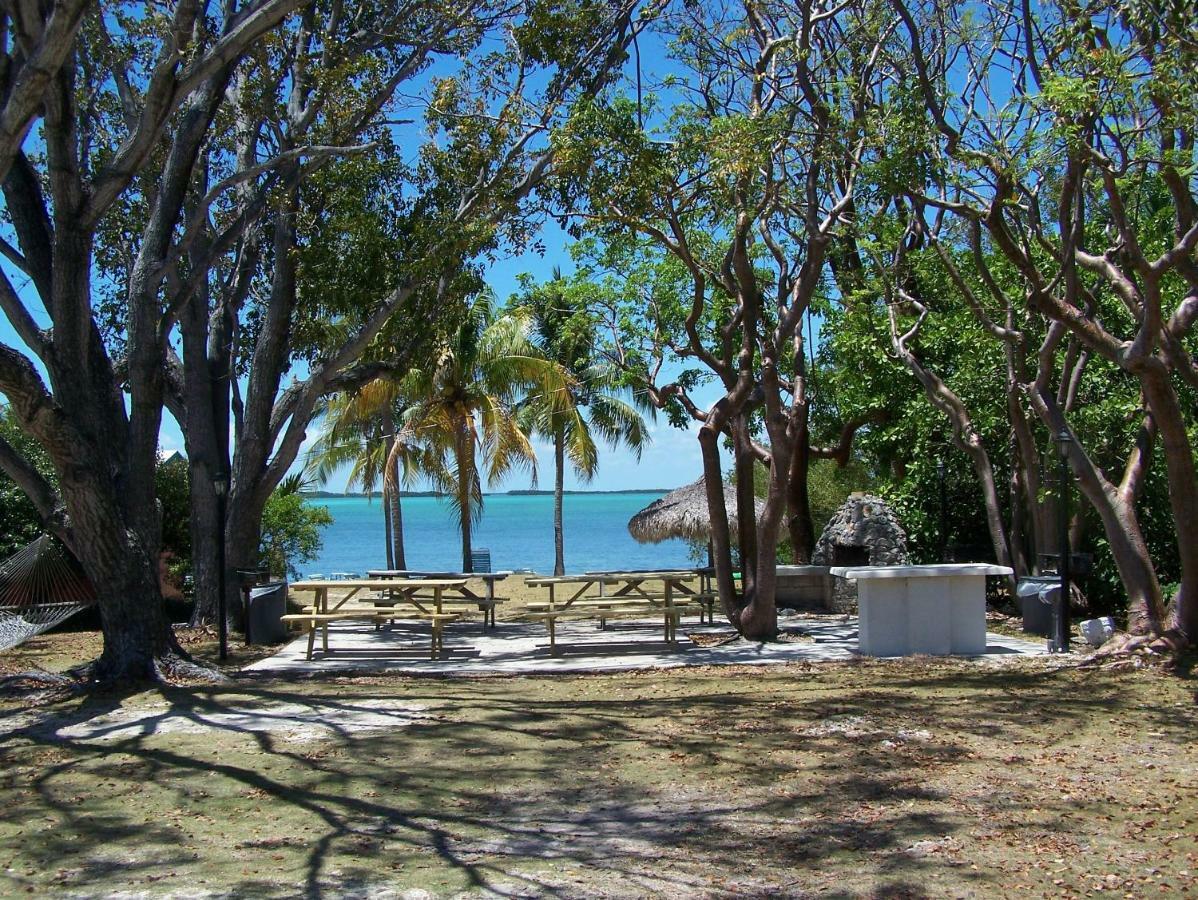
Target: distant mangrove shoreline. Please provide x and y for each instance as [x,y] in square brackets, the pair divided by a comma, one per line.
[376,495]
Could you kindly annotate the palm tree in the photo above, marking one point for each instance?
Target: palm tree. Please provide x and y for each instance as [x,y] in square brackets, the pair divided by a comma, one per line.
[465,402]
[361,433]
[593,402]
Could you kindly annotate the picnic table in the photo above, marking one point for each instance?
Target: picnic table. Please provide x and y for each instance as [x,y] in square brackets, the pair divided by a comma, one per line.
[463,595]
[412,592]
[706,593]
[630,596]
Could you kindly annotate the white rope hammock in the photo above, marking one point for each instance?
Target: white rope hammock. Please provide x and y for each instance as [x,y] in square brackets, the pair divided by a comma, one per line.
[41,585]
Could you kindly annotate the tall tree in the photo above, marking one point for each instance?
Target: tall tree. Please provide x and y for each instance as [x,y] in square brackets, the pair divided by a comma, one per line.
[1063,167]
[118,98]
[566,329]
[362,431]
[335,275]
[744,183]
[463,404]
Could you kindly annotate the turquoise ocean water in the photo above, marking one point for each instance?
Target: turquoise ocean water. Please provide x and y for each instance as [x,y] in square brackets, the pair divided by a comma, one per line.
[517,529]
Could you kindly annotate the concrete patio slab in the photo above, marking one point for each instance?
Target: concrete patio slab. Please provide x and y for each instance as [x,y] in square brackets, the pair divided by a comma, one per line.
[517,648]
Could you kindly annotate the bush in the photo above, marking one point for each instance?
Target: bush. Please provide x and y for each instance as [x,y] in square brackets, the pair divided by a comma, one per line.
[291,531]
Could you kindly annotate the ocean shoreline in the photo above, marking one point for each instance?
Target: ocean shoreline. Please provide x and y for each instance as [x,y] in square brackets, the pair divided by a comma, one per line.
[516,527]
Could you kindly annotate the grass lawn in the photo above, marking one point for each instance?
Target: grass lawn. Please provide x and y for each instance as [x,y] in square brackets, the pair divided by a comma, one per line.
[891,779]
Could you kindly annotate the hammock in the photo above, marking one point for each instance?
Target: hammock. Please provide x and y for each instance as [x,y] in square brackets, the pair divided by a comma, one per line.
[41,585]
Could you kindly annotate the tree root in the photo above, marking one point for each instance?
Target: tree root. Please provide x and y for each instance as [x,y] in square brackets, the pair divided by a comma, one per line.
[175,669]
[1163,648]
[179,670]
[38,686]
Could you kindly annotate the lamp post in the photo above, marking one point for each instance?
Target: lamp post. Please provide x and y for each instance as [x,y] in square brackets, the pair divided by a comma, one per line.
[943,510]
[1060,619]
[221,484]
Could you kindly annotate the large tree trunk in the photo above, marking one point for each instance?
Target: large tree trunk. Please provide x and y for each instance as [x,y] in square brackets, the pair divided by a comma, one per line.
[798,497]
[559,474]
[1183,492]
[746,506]
[760,617]
[243,539]
[721,542]
[118,548]
[1119,523]
[106,477]
[203,414]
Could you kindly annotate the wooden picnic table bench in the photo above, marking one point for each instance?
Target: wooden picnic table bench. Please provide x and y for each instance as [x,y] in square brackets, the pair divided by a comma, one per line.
[485,602]
[319,614]
[629,595]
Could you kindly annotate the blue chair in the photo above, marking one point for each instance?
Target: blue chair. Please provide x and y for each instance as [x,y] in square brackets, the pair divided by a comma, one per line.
[480,560]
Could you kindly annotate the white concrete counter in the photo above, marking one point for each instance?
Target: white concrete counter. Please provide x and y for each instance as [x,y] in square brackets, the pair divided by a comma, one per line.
[938,609]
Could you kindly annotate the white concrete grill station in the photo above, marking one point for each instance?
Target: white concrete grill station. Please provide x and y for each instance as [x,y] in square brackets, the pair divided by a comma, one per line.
[939,610]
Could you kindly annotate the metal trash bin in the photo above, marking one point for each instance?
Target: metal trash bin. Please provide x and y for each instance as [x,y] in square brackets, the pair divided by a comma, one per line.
[263,621]
[1037,596]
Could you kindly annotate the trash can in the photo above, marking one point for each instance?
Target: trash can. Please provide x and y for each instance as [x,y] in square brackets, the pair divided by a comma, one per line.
[1037,596]
[263,621]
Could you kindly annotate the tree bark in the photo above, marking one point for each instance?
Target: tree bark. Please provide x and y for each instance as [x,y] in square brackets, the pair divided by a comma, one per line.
[395,547]
[1119,522]
[746,506]
[721,542]
[387,529]
[1183,491]
[559,472]
[965,436]
[396,507]
[464,450]
[798,488]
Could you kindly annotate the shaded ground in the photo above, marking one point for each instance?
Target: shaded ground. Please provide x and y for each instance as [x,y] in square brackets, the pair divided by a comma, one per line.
[58,651]
[522,648]
[908,778]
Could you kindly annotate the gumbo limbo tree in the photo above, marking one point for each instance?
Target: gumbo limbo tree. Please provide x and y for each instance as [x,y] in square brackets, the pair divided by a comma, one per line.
[135,200]
[734,184]
[1066,147]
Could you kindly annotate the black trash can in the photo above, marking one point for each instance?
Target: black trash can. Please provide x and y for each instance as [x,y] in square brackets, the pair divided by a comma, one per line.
[1037,596]
[268,605]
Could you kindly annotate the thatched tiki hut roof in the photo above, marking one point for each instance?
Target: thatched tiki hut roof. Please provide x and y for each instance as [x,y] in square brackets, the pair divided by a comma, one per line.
[682,513]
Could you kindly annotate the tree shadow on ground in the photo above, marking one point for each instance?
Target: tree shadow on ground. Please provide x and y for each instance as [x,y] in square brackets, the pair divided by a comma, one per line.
[646,783]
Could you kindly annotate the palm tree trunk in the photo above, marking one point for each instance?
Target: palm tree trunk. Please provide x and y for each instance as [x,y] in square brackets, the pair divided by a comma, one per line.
[387,529]
[395,550]
[465,460]
[397,529]
[559,476]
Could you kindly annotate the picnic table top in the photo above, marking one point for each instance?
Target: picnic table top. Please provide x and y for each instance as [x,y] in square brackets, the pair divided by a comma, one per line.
[650,573]
[613,577]
[426,575]
[391,583]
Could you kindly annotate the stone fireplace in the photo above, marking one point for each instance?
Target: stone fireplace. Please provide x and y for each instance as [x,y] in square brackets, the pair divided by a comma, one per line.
[863,532]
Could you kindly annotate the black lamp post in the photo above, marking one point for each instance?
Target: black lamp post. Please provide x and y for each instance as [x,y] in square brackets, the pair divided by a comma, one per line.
[943,510]
[221,484]
[1060,619]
